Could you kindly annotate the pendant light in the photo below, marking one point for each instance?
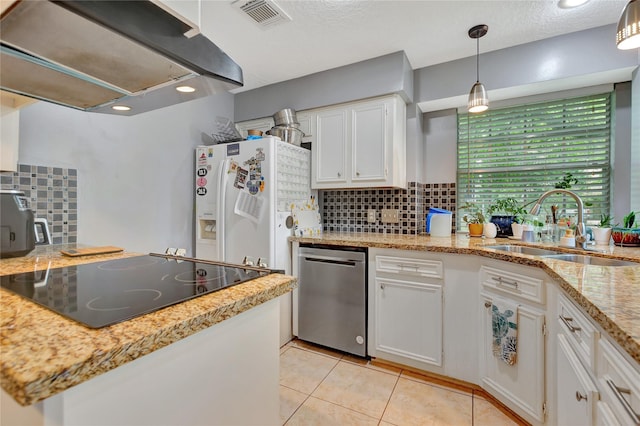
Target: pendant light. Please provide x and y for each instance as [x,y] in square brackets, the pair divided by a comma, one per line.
[478,100]
[628,34]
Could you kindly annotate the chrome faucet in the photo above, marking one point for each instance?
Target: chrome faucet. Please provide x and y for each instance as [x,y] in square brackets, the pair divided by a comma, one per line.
[581,233]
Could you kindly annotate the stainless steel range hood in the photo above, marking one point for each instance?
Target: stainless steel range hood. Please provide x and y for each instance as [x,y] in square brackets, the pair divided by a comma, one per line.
[94,55]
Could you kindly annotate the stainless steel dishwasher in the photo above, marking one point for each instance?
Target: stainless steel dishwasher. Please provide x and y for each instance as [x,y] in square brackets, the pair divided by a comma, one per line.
[332,298]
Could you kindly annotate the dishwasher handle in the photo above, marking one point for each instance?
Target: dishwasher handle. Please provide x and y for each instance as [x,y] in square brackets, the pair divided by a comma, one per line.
[331,259]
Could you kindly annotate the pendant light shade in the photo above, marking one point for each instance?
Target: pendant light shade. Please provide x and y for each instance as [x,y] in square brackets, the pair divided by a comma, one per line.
[628,34]
[478,99]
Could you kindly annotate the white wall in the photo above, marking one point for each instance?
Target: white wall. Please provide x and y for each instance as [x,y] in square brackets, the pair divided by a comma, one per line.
[135,174]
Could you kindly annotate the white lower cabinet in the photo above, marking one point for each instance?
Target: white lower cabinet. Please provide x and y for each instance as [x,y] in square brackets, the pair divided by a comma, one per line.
[520,386]
[576,393]
[409,319]
[407,305]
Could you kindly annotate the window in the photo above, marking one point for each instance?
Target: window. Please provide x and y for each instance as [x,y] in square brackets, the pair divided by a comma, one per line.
[523,151]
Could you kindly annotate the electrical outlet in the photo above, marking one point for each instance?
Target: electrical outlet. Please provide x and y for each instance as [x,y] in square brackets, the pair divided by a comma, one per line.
[371,215]
[390,216]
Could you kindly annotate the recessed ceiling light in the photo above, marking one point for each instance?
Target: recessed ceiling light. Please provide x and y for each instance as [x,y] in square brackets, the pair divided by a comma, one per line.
[121,108]
[185,89]
[570,4]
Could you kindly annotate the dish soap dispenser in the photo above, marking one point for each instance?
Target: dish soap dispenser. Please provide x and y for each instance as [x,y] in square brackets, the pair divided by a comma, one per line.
[568,240]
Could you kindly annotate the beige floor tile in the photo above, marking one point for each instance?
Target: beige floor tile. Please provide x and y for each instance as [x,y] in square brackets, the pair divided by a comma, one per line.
[315,412]
[359,388]
[414,403]
[486,414]
[303,370]
[290,400]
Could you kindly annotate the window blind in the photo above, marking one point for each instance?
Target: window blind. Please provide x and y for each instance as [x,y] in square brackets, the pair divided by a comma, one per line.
[525,150]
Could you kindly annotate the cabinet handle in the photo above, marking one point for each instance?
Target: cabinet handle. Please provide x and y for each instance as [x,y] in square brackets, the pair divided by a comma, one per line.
[357,173]
[618,391]
[381,286]
[487,304]
[339,175]
[501,280]
[403,266]
[580,397]
[566,321]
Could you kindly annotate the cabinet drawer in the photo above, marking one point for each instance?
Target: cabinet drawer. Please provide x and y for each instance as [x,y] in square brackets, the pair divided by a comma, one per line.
[576,393]
[619,383]
[512,283]
[581,334]
[412,267]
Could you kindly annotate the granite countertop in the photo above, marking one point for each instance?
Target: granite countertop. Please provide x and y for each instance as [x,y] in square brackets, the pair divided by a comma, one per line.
[44,353]
[608,294]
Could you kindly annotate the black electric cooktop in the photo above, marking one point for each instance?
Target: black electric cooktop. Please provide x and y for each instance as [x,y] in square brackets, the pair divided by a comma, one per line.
[104,293]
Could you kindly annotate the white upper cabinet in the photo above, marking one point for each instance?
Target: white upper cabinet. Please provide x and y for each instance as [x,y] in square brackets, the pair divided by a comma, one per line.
[360,144]
[329,149]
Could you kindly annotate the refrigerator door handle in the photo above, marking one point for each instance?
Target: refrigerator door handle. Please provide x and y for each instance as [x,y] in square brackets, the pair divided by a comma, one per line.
[223,178]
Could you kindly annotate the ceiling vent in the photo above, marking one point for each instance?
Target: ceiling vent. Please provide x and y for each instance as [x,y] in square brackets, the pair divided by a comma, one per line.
[264,12]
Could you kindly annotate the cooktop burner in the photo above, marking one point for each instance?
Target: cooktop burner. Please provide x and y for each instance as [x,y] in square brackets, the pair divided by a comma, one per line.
[104,293]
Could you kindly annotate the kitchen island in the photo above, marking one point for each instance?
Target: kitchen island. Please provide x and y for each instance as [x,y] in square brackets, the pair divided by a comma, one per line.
[210,360]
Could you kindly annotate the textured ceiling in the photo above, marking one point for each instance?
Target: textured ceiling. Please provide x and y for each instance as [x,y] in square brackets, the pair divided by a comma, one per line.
[325,34]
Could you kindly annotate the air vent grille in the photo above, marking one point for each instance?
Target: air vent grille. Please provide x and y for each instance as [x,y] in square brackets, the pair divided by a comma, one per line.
[264,12]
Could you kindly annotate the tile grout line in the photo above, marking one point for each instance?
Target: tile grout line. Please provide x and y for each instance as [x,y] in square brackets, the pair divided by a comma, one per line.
[314,389]
[395,385]
[473,411]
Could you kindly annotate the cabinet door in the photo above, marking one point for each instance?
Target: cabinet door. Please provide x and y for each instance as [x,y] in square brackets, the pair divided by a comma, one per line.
[369,140]
[575,391]
[409,319]
[520,386]
[330,148]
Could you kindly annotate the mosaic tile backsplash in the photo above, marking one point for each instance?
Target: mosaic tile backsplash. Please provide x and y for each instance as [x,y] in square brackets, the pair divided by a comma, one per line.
[52,193]
[346,210]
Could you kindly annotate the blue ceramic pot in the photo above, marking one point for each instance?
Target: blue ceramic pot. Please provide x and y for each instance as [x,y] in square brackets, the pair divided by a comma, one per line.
[503,225]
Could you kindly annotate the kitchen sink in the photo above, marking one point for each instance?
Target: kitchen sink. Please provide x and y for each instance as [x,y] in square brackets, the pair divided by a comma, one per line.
[533,251]
[569,257]
[591,260]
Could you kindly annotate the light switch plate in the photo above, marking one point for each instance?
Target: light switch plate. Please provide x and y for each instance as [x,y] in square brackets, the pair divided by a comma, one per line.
[371,215]
[390,216]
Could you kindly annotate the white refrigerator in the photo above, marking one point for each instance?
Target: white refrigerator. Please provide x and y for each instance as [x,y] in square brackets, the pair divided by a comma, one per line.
[244,196]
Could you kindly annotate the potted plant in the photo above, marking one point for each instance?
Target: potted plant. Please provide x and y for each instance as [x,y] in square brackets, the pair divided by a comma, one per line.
[602,232]
[474,219]
[628,234]
[504,212]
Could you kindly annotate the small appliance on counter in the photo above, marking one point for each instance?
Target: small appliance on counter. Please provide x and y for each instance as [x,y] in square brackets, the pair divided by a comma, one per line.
[20,231]
[16,224]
